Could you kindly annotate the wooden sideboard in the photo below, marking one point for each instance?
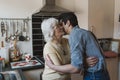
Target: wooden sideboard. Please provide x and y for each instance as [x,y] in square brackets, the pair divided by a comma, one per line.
[113,67]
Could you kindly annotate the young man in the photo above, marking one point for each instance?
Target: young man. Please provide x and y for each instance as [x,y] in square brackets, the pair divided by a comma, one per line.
[83,44]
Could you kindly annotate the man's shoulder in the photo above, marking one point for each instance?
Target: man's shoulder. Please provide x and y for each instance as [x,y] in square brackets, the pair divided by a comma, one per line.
[77,28]
[79,31]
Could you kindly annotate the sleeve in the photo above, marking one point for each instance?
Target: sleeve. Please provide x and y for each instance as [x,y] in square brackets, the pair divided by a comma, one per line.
[48,49]
[77,50]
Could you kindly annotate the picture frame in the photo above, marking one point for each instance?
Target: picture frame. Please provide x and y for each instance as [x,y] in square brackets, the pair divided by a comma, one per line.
[115,45]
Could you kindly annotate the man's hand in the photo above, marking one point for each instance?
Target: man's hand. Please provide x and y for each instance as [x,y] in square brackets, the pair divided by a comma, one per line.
[91,61]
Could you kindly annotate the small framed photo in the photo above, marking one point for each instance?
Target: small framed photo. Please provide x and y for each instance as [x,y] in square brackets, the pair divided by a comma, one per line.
[115,45]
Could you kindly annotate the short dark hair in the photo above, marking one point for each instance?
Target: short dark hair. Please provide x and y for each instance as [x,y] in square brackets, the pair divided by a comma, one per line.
[64,17]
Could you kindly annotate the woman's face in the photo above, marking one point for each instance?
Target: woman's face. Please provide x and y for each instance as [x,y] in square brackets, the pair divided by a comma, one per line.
[65,27]
[58,31]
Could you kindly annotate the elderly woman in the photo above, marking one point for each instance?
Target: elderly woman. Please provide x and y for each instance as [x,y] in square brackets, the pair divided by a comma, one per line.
[57,48]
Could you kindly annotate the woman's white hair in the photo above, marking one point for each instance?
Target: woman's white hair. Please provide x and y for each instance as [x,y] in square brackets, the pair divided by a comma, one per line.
[47,27]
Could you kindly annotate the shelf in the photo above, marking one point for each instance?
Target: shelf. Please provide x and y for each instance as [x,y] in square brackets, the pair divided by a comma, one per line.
[36,45]
[37,40]
[36,28]
[36,34]
[36,23]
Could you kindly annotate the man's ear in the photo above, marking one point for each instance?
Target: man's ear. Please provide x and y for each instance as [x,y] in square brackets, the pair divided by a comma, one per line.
[68,23]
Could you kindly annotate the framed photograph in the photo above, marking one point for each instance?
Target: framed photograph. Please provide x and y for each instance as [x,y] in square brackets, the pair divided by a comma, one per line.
[115,45]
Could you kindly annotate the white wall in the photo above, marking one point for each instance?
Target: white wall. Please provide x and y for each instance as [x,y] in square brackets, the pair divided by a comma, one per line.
[101,17]
[21,9]
[116,18]
[80,7]
[93,13]
[81,10]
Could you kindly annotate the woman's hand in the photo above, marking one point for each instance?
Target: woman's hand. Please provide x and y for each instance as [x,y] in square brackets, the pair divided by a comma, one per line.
[91,61]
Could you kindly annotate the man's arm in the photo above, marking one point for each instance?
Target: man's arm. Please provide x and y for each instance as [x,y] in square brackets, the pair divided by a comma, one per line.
[68,68]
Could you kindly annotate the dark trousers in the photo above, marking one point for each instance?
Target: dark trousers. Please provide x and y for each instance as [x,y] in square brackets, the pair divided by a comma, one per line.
[99,75]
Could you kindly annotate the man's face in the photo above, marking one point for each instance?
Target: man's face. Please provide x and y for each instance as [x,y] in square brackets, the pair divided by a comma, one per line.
[65,26]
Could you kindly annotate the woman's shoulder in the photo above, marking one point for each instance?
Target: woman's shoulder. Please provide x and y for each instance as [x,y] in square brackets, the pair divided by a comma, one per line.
[49,48]
[48,45]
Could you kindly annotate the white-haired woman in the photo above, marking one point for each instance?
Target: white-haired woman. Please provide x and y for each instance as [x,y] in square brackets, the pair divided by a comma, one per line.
[57,48]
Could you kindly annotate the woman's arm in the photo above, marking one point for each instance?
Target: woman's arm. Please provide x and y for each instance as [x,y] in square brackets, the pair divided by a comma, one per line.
[68,68]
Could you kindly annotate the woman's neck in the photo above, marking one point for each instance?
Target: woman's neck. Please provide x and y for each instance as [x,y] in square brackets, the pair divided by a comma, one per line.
[58,40]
